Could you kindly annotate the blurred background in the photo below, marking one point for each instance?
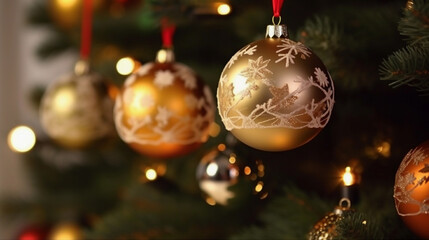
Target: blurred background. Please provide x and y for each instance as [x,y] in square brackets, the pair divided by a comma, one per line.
[74,188]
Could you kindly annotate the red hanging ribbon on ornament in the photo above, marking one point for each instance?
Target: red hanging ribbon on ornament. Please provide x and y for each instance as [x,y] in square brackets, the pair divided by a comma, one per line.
[167,33]
[86,30]
[277,6]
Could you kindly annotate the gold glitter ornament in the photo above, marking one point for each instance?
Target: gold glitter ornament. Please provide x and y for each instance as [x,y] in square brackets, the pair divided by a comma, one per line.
[275,94]
[411,190]
[76,110]
[325,229]
[164,109]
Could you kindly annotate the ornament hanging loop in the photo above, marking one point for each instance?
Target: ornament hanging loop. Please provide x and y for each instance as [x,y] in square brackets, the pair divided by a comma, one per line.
[279,20]
[345,203]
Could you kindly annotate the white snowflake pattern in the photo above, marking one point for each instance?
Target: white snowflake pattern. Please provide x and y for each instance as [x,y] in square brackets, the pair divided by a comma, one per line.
[267,115]
[257,70]
[288,50]
[247,50]
[418,155]
[406,182]
[130,80]
[321,77]
[163,78]
[143,70]
[163,116]
[187,75]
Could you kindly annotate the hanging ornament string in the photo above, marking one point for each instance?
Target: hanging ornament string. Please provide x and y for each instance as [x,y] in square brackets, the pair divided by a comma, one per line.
[277,6]
[167,33]
[85,47]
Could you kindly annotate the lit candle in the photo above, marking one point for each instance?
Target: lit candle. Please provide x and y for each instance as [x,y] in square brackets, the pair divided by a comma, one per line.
[349,186]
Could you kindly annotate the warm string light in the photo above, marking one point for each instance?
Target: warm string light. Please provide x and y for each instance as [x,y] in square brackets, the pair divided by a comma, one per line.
[151,173]
[349,186]
[348,178]
[21,139]
[127,65]
[223,9]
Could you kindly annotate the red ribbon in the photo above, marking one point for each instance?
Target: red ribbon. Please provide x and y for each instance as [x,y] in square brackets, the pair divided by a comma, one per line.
[277,6]
[85,47]
[167,33]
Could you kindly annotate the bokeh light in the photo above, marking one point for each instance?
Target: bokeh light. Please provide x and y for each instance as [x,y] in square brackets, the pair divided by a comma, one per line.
[125,66]
[21,139]
[223,9]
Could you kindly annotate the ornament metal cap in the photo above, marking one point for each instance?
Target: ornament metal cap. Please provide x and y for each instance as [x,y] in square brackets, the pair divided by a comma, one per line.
[165,55]
[81,67]
[276,31]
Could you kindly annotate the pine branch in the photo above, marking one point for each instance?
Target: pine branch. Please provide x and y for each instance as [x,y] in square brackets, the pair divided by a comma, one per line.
[356,225]
[408,66]
[289,216]
[415,23]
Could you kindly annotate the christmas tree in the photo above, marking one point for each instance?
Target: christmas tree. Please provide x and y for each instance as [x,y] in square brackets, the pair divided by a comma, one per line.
[376,52]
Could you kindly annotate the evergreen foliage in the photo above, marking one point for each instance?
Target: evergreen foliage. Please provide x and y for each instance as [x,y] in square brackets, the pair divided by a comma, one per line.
[410,65]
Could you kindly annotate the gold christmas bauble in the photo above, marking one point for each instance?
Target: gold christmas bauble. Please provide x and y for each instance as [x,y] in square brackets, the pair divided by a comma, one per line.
[66,231]
[76,111]
[275,94]
[68,13]
[326,228]
[164,109]
[411,190]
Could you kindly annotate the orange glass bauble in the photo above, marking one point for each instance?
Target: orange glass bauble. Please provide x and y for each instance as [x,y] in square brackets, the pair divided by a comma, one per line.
[411,191]
[164,109]
[275,94]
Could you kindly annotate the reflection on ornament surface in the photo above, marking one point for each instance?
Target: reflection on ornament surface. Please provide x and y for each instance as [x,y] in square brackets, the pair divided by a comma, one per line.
[275,94]
[76,110]
[164,109]
[216,172]
[220,170]
[411,190]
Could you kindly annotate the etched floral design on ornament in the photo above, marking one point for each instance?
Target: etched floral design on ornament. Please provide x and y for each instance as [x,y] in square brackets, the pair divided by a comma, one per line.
[77,118]
[159,124]
[283,109]
[289,50]
[407,182]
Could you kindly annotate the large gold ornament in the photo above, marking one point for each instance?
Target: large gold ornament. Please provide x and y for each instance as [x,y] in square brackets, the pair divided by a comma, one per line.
[76,110]
[411,190]
[326,228]
[164,110]
[275,94]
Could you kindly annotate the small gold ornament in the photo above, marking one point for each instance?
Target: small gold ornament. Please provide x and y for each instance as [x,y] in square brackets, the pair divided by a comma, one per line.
[411,190]
[68,13]
[164,110]
[275,94]
[325,229]
[76,110]
[66,231]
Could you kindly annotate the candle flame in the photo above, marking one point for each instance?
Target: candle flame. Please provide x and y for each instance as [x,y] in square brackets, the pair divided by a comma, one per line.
[348,177]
